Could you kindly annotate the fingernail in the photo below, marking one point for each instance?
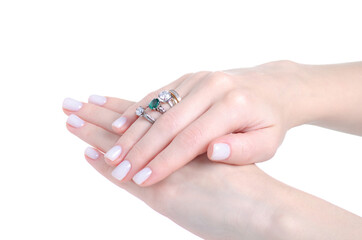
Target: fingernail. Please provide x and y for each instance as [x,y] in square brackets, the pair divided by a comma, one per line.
[75,121]
[221,151]
[113,153]
[119,122]
[98,100]
[72,104]
[121,170]
[91,153]
[142,175]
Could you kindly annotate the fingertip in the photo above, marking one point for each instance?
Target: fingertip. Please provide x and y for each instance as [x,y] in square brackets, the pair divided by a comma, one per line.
[91,153]
[74,121]
[219,151]
[119,125]
[97,99]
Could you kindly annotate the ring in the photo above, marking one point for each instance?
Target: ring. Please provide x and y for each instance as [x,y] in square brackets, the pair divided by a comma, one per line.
[140,111]
[167,97]
[175,95]
[155,105]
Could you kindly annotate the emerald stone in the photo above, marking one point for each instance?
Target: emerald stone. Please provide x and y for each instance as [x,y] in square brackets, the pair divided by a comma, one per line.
[154,103]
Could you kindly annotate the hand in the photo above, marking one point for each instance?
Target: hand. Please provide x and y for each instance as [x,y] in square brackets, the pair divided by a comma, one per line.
[250,204]
[238,116]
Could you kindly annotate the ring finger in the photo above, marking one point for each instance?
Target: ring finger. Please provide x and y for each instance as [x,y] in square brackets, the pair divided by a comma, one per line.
[137,130]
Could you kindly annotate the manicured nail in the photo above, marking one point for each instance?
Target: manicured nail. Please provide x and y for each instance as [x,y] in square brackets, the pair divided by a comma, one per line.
[113,153]
[121,170]
[72,104]
[221,151]
[91,153]
[98,100]
[119,122]
[142,175]
[75,121]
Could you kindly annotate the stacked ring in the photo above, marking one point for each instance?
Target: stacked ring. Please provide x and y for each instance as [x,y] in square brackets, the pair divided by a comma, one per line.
[166,97]
[175,95]
[170,97]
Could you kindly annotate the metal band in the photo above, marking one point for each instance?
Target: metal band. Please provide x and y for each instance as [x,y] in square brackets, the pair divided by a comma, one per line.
[149,118]
[175,95]
[140,111]
[172,102]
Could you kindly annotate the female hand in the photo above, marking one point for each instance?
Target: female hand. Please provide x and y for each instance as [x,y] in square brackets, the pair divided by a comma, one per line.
[250,204]
[238,116]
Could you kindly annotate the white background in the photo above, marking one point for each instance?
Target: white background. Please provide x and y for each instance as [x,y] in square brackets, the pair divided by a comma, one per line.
[50,50]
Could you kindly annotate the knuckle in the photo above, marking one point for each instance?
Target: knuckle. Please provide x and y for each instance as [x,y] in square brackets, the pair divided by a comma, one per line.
[220,79]
[190,136]
[246,150]
[149,97]
[167,122]
[187,75]
[238,97]
[201,74]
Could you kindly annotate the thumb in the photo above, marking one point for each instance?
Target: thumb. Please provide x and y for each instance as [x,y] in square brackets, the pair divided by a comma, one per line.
[245,148]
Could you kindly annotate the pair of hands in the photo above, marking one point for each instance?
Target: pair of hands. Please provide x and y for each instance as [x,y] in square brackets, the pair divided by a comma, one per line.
[237,116]
[189,196]
[260,105]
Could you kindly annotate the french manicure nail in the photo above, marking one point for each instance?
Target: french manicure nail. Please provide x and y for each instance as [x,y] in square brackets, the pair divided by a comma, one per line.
[72,104]
[113,153]
[98,100]
[75,121]
[142,175]
[121,170]
[220,151]
[91,153]
[119,122]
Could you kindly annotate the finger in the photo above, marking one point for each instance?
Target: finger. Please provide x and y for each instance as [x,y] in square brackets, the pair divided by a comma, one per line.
[111,103]
[137,130]
[117,153]
[90,133]
[129,116]
[188,144]
[149,144]
[245,148]
[90,113]
[96,160]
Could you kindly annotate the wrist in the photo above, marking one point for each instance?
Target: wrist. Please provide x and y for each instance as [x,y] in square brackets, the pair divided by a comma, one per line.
[298,106]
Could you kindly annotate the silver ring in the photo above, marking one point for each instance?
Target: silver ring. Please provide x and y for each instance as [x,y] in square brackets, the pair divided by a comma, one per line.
[170,97]
[175,95]
[140,111]
[166,97]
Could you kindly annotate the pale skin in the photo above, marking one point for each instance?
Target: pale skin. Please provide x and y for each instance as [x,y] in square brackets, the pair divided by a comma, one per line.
[248,110]
[250,204]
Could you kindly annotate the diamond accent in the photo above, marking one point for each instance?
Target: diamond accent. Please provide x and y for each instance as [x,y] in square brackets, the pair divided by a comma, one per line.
[140,111]
[164,96]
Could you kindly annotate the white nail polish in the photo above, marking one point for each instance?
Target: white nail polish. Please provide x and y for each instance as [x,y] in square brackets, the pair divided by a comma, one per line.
[220,151]
[91,153]
[98,100]
[72,104]
[142,175]
[75,121]
[113,153]
[119,122]
[121,170]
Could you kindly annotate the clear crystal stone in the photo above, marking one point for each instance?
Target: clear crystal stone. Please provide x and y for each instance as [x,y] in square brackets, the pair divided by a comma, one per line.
[140,111]
[164,96]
